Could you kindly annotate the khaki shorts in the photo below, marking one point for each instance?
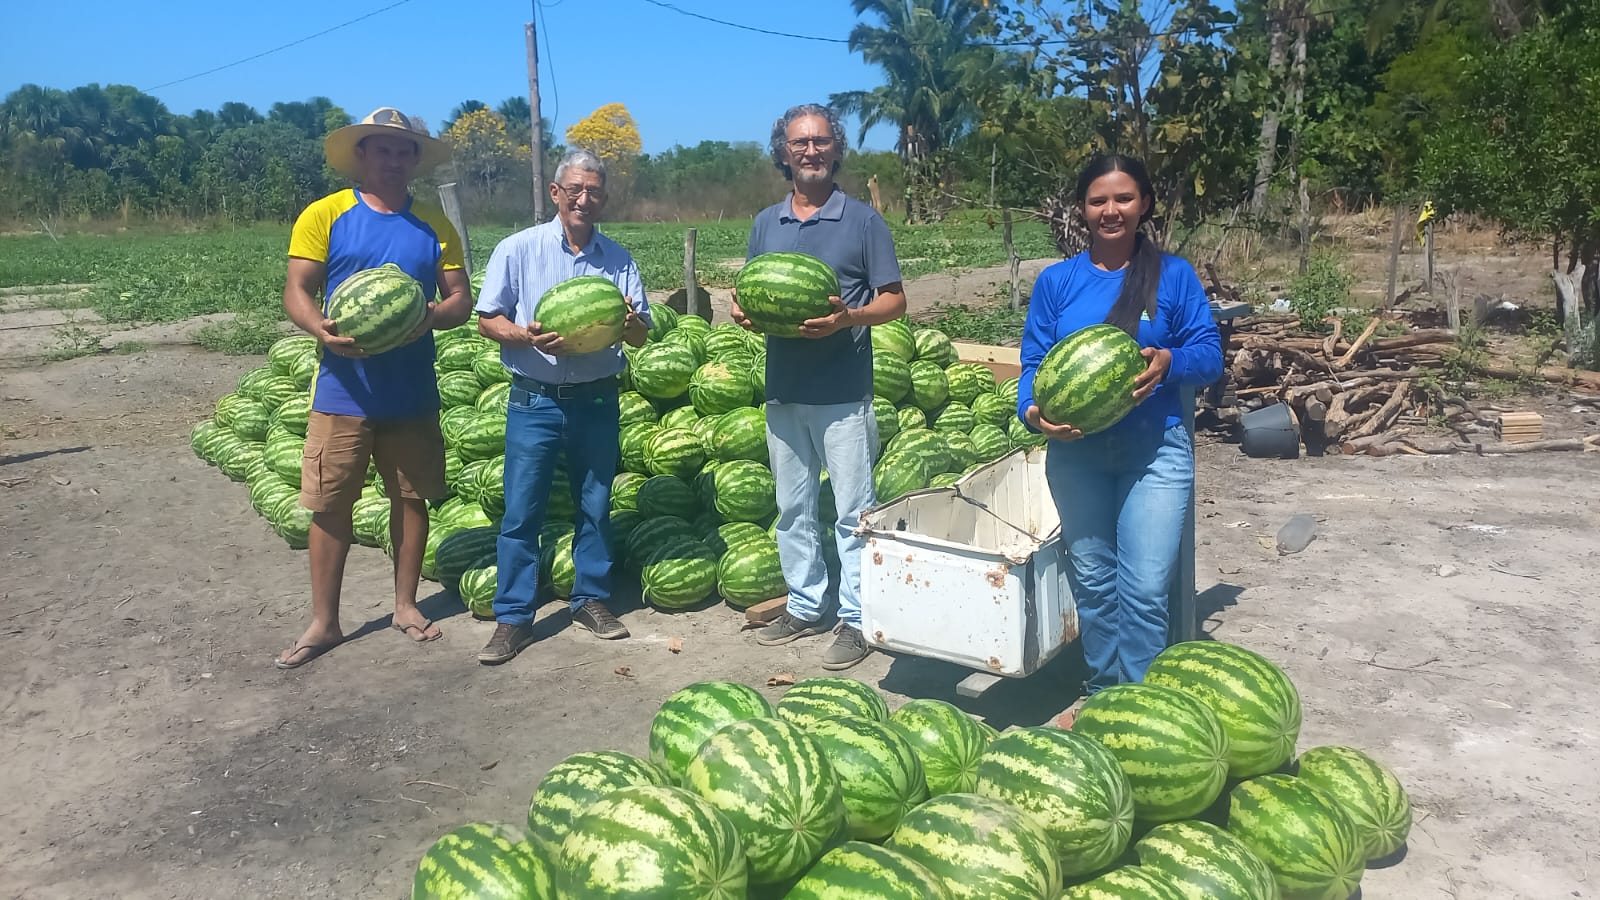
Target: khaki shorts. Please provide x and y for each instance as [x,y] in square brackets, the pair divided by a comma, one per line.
[408,454]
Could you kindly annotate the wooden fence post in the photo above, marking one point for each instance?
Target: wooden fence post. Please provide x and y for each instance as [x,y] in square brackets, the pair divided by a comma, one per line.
[1016,261]
[452,211]
[693,301]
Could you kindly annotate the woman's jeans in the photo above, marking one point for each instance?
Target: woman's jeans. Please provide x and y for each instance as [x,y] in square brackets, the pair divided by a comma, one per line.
[1123,497]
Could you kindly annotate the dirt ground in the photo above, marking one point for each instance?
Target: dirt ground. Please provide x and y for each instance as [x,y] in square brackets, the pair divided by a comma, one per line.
[1443,619]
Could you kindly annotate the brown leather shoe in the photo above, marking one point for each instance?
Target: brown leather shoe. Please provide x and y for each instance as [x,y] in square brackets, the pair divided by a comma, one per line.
[508,641]
[594,616]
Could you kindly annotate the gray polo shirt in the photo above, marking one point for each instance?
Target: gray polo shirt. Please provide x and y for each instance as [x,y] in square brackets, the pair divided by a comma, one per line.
[850,236]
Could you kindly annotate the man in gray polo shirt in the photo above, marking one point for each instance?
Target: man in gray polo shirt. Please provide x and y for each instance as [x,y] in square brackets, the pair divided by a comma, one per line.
[819,385]
[559,401]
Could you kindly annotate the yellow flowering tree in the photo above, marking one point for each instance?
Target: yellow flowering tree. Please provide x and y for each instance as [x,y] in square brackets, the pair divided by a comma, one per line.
[483,151]
[611,134]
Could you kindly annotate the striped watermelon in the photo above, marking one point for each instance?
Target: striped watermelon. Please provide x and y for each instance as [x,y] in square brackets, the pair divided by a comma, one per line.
[282,355]
[200,434]
[666,495]
[459,551]
[897,474]
[662,371]
[745,491]
[956,417]
[910,418]
[379,307]
[370,521]
[587,311]
[814,699]
[484,861]
[856,870]
[779,790]
[458,356]
[632,407]
[992,409]
[469,480]
[678,574]
[674,451]
[693,324]
[1021,436]
[737,534]
[963,452]
[891,376]
[948,742]
[625,490]
[934,346]
[692,340]
[926,444]
[494,400]
[929,388]
[887,419]
[283,457]
[663,319]
[740,434]
[1206,863]
[563,568]
[1256,702]
[750,572]
[272,391]
[650,841]
[293,414]
[990,442]
[1127,883]
[690,715]
[1086,380]
[980,848]
[895,337]
[631,442]
[458,389]
[489,368]
[878,772]
[944,480]
[483,437]
[778,291]
[651,534]
[1367,790]
[574,784]
[1170,745]
[1309,842]
[716,388]
[1070,784]
[305,369]
[293,523]
[679,417]
[705,428]
[478,587]
[249,419]
[623,521]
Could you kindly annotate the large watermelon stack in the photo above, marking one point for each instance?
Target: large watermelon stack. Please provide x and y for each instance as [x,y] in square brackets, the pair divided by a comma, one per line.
[778,291]
[587,311]
[378,307]
[1086,380]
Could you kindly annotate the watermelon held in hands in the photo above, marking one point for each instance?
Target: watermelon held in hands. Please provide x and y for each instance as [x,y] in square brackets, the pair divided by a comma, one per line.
[652,841]
[1309,842]
[1170,745]
[1367,790]
[1086,380]
[587,311]
[378,307]
[483,859]
[780,290]
[1256,702]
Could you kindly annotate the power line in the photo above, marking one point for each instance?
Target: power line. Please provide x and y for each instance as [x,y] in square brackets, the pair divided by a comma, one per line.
[240,62]
[694,15]
[550,58]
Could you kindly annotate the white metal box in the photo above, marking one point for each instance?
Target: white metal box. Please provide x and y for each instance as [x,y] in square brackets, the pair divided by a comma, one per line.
[972,574]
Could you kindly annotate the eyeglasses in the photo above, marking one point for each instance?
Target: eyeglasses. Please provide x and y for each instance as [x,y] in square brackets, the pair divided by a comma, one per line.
[578,190]
[821,143]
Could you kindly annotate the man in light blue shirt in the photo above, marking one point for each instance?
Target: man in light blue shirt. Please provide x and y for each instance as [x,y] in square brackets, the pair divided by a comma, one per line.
[560,401]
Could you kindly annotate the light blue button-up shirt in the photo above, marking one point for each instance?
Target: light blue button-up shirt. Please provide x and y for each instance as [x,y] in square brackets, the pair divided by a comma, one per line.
[532,261]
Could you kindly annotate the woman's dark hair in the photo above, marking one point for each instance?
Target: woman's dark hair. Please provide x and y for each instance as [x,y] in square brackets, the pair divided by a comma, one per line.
[1144,269]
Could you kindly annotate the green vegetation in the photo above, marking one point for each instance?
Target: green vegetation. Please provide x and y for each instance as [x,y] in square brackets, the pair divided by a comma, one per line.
[1323,288]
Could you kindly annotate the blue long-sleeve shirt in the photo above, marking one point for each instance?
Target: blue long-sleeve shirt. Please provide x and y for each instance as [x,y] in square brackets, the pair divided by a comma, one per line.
[1073,294]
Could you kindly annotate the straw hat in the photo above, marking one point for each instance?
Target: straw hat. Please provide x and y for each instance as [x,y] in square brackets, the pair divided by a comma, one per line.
[340,144]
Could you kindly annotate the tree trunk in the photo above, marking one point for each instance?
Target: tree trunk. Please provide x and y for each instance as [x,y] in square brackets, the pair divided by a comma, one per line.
[1267,149]
[1302,26]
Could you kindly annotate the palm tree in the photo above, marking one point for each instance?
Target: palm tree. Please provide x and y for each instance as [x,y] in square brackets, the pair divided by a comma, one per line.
[934,71]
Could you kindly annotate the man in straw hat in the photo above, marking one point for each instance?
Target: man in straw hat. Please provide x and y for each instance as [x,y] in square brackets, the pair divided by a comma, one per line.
[383,407]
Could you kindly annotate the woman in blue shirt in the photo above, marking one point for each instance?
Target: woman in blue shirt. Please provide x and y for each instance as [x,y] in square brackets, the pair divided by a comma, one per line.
[1123,493]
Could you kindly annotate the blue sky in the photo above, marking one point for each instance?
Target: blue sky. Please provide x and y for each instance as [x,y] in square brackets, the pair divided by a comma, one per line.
[685,80]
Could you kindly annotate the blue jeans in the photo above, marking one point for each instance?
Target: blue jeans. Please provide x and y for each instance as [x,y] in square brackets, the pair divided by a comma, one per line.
[537,429]
[802,440]
[1123,500]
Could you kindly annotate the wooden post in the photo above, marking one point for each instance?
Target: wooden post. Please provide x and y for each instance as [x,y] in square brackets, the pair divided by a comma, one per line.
[993,149]
[452,211]
[872,188]
[694,301]
[1454,309]
[536,125]
[1569,302]
[1394,255]
[1427,250]
[1305,224]
[1016,261]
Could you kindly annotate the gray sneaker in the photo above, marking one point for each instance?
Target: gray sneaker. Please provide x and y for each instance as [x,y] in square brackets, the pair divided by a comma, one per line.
[595,617]
[786,628]
[849,648]
[507,642]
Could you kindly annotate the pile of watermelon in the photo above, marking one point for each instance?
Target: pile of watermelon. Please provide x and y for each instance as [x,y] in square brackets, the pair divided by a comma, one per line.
[693,502]
[1177,788]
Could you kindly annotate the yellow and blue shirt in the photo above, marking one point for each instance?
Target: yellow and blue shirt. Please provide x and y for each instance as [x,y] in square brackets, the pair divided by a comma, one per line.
[348,236]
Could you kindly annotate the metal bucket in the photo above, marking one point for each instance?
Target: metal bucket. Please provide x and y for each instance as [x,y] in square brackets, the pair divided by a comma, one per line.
[1271,431]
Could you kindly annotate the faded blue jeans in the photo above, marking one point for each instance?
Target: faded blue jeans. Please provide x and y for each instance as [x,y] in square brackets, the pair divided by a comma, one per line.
[538,428]
[802,440]
[1123,497]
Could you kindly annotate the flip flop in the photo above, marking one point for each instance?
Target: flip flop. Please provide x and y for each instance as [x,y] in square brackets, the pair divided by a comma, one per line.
[421,629]
[316,650]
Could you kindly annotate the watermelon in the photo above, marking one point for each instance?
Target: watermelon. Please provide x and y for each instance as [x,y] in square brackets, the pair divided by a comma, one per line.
[662,371]
[779,790]
[274,390]
[1022,436]
[692,340]
[563,569]
[969,381]
[574,784]
[293,523]
[587,311]
[249,420]
[963,452]
[929,388]
[478,588]
[458,389]
[370,521]
[897,474]
[948,742]
[631,441]
[679,417]
[284,352]
[458,356]
[944,480]
[693,324]
[910,418]
[1206,863]
[778,291]
[895,337]
[1127,883]
[1256,702]
[653,842]
[1308,841]
[729,342]
[459,551]
[691,714]
[1170,745]
[934,346]
[633,407]
[878,771]
[622,523]
[651,534]
[990,442]
[678,574]
[716,388]
[891,376]
[737,534]
[666,495]
[887,419]
[305,369]
[483,437]
[740,434]
[745,491]
[663,319]
[201,437]
[812,700]
[489,368]
[674,451]
[856,870]
[378,307]
[750,572]
[1086,380]
[1070,784]
[980,848]
[992,409]
[1367,790]
[956,417]
[483,860]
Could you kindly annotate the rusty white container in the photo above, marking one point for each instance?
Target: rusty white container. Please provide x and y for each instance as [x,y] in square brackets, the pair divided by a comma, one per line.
[971,574]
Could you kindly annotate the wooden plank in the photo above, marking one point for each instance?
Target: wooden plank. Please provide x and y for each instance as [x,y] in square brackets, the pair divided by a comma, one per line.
[765,611]
[987,353]
[977,684]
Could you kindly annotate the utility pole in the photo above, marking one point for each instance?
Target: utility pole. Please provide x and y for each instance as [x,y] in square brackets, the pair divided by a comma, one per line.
[536,132]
